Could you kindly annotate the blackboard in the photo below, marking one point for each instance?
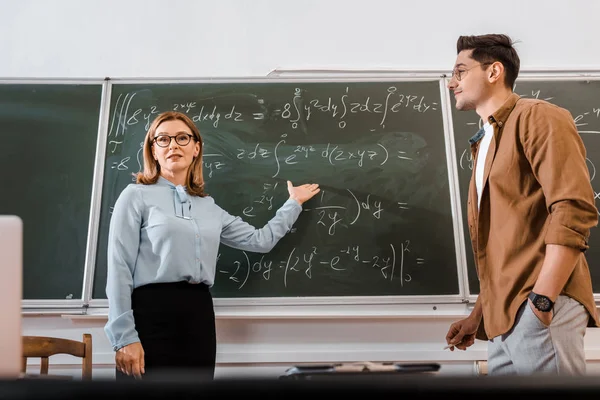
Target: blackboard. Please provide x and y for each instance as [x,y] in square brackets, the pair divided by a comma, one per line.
[382,224]
[388,210]
[48,134]
[582,98]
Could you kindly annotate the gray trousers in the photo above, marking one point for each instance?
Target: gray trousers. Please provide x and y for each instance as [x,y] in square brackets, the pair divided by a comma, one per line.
[532,347]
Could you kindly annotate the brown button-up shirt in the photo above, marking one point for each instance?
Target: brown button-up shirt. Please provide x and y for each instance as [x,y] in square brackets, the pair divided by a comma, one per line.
[536,191]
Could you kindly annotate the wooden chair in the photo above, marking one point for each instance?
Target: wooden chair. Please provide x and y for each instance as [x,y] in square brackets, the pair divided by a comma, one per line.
[44,347]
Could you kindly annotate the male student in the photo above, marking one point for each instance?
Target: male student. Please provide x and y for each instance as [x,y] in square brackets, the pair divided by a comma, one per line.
[530,210]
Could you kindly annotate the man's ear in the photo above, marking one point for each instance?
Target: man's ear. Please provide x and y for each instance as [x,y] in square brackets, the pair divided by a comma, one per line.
[496,72]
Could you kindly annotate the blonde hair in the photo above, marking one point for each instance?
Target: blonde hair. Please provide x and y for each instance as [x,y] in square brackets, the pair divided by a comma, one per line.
[195,180]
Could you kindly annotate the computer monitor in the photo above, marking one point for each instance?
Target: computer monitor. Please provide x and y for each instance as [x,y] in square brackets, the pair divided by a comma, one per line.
[11,293]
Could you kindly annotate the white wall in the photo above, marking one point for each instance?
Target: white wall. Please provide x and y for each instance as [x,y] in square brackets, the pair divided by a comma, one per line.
[189,38]
[229,38]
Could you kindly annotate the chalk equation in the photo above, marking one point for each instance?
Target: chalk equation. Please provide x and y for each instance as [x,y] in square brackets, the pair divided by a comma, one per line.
[132,112]
[390,102]
[298,264]
[280,155]
[210,111]
[332,216]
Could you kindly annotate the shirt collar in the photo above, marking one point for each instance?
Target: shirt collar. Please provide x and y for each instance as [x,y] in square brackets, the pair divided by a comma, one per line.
[501,114]
[499,117]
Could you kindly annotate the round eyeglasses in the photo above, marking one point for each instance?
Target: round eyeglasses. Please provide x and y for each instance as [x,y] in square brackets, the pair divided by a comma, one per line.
[181,139]
[458,74]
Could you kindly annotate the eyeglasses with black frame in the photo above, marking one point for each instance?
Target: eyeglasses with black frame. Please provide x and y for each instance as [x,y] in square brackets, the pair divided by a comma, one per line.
[182,139]
[458,74]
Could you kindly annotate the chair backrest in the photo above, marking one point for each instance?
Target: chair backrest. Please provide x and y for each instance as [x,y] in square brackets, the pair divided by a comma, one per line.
[44,347]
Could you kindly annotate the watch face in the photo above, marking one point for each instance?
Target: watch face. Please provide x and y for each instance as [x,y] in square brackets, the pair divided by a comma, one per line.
[543,303]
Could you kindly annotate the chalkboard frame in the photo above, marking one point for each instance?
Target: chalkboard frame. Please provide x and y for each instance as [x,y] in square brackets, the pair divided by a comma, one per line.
[244,305]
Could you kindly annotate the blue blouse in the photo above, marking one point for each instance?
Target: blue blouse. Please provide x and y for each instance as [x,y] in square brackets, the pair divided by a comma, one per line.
[160,234]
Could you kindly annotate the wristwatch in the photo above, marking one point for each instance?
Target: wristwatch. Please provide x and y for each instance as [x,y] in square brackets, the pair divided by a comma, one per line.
[541,302]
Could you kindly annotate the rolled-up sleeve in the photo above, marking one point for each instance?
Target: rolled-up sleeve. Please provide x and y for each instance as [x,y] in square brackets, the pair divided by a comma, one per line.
[557,156]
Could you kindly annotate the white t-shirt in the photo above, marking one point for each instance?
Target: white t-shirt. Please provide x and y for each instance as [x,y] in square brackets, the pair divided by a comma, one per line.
[483,149]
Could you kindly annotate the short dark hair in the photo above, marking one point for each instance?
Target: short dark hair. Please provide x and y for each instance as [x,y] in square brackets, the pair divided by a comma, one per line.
[491,48]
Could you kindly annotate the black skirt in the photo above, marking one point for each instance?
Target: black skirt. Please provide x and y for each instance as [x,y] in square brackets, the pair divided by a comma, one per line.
[176,326]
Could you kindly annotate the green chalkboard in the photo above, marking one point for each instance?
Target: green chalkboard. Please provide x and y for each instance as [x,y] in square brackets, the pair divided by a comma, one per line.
[48,134]
[582,99]
[382,224]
